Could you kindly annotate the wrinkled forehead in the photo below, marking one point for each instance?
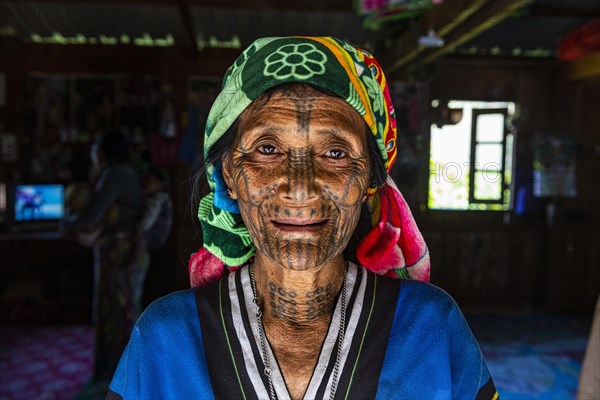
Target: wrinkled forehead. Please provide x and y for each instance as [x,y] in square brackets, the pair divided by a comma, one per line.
[301,107]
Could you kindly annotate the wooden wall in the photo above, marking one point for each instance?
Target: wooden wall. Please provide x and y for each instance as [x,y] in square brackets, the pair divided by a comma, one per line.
[500,259]
[573,270]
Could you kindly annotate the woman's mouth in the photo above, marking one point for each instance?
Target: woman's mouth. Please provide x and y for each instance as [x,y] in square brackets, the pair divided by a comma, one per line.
[297,225]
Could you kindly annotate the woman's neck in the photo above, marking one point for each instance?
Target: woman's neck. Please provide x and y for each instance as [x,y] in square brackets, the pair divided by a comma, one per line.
[297,307]
[298,298]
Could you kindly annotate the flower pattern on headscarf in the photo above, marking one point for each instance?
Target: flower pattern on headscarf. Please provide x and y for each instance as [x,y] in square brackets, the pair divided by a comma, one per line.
[298,61]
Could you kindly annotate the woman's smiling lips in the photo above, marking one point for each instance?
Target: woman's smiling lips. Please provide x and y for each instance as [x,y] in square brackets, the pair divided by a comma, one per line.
[300,225]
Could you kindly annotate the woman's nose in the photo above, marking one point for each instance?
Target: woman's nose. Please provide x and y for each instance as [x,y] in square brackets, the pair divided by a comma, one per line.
[300,176]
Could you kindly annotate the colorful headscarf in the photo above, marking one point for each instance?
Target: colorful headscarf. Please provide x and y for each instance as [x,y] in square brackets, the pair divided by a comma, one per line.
[394,247]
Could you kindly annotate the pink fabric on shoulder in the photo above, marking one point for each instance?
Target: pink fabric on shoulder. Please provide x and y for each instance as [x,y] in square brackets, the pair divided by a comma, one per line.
[204,267]
[395,243]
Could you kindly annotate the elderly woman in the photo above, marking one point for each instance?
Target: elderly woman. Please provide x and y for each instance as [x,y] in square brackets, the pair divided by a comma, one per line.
[302,232]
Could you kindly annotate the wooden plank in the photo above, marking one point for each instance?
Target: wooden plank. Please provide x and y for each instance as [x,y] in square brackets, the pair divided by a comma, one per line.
[566,11]
[489,16]
[188,24]
[313,5]
[306,5]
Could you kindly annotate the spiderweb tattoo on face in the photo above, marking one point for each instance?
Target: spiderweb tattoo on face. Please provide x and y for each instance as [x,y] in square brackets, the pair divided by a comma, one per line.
[291,185]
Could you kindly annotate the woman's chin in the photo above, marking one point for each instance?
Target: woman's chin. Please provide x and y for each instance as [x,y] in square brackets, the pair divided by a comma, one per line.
[302,256]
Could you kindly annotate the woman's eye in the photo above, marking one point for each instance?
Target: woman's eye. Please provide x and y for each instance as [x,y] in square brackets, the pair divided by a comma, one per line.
[267,149]
[335,153]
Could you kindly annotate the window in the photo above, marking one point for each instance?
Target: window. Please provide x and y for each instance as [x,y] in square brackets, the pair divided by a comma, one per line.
[471,159]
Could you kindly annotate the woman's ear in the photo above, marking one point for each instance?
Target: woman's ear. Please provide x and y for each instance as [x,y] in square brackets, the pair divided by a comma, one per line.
[227,176]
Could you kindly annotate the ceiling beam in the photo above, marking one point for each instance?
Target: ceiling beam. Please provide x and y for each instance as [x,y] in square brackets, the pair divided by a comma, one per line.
[565,11]
[443,19]
[489,16]
[188,24]
[312,5]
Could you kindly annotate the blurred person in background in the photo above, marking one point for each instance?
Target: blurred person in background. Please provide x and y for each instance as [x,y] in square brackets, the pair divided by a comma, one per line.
[158,215]
[107,217]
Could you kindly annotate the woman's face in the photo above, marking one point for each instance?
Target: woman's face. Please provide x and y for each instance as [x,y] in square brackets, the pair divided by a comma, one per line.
[299,169]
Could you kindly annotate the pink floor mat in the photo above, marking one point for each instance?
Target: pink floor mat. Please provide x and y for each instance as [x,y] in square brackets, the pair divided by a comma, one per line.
[45,363]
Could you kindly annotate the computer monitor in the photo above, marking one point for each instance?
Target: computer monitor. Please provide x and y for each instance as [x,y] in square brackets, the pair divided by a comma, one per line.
[38,202]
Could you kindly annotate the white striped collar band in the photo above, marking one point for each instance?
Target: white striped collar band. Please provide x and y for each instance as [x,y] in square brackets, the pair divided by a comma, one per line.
[242,309]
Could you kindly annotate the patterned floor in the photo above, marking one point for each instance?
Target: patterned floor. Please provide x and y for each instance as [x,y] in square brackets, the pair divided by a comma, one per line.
[533,357]
[528,357]
[47,363]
